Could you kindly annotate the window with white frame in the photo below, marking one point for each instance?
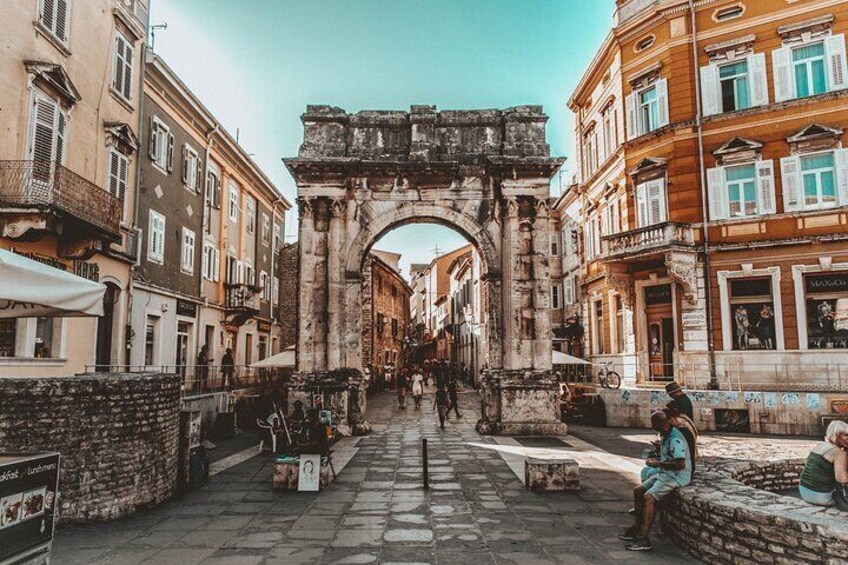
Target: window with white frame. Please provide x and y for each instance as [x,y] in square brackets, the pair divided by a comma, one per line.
[555,298]
[815,181]
[211,262]
[812,67]
[191,174]
[187,259]
[266,229]
[647,108]
[264,285]
[568,290]
[598,327]
[589,155]
[161,145]
[249,275]
[117,177]
[619,323]
[734,85]
[555,243]
[48,130]
[278,243]
[651,202]
[275,290]
[752,310]
[234,270]
[824,298]
[156,237]
[250,215]
[608,131]
[213,186]
[741,191]
[591,237]
[234,202]
[54,16]
[122,67]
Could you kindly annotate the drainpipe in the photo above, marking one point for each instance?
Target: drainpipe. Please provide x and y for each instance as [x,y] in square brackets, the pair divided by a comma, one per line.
[704,206]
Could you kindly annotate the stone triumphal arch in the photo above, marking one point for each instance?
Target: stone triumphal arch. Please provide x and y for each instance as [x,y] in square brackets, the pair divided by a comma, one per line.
[484,173]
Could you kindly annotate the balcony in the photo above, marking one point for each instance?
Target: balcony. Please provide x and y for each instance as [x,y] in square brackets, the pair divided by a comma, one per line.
[643,243]
[241,302]
[44,196]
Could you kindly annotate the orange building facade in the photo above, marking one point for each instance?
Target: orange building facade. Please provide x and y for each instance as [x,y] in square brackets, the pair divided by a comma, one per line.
[714,187]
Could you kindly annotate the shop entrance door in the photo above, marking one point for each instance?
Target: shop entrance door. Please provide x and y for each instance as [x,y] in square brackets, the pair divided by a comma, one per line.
[183,331]
[660,326]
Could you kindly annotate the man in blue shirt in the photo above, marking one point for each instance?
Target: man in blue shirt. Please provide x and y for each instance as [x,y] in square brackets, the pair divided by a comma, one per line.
[675,470]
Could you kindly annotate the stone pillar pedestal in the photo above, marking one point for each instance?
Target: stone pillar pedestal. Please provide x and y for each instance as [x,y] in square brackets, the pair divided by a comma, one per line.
[341,391]
[520,403]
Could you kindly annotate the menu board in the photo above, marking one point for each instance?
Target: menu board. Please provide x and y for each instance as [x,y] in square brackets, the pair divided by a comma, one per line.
[28,498]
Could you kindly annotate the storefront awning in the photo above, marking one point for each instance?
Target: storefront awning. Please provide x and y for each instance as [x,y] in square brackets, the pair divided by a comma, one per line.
[560,358]
[29,289]
[282,359]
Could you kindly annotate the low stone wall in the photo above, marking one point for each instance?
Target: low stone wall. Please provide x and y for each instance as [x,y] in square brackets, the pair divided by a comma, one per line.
[728,516]
[778,413]
[117,434]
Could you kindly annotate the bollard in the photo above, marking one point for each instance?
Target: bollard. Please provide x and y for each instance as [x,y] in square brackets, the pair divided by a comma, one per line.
[424,461]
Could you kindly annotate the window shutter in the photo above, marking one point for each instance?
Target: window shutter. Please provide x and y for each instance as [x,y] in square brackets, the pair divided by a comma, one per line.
[790,175]
[662,102]
[43,129]
[48,13]
[841,162]
[170,162]
[198,176]
[154,130]
[710,99]
[717,192]
[656,212]
[784,85]
[184,168]
[217,203]
[642,204]
[216,275]
[837,72]
[758,81]
[765,186]
[61,18]
[204,262]
[633,129]
[118,65]
[61,127]
[129,55]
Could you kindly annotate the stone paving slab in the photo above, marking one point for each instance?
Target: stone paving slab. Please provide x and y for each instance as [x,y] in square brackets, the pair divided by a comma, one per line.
[476,511]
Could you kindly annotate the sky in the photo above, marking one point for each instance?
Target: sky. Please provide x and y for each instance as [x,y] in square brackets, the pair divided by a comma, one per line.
[256,64]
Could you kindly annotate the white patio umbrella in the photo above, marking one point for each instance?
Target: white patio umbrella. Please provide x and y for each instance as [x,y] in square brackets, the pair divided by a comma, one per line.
[282,359]
[29,288]
[560,358]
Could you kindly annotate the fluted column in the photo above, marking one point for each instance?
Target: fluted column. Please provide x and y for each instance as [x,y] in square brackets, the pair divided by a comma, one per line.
[511,297]
[542,337]
[306,315]
[335,283]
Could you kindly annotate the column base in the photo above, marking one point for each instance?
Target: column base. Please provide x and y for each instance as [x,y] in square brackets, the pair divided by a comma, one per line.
[520,403]
[341,391]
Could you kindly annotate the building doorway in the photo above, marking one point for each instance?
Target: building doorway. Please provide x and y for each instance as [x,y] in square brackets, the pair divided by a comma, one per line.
[659,314]
[183,335]
[105,328]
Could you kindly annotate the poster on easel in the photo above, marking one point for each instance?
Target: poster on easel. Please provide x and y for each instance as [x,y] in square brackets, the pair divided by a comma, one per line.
[309,474]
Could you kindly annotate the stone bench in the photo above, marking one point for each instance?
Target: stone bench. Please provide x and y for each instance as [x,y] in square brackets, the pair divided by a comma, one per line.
[287,473]
[551,474]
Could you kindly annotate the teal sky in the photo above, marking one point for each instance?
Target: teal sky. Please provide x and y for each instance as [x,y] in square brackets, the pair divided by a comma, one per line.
[256,64]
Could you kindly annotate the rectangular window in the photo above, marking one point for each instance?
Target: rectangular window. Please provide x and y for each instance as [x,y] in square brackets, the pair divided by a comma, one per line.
[117,175]
[213,188]
[278,243]
[54,16]
[555,301]
[44,338]
[161,145]
[734,86]
[265,291]
[818,178]
[599,327]
[266,229]
[554,244]
[232,270]
[568,293]
[150,341]
[8,333]
[191,168]
[742,191]
[249,275]
[250,215]
[619,324]
[211,262]
[275,290]
[826,298]
[48,124]
[234,202]
[649,109]
[609,141]
[187,262]
[650,202]
[808,64]
[156,237]
[752,312]
[122,67]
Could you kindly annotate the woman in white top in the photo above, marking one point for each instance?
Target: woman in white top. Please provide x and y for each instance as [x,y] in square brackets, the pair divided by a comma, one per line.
[417,386]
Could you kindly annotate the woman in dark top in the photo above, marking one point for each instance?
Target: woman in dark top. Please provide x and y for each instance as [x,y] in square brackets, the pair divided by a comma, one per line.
[824,480]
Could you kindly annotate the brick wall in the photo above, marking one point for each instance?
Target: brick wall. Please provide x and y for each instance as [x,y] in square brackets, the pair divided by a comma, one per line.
[118,436]
[390,298]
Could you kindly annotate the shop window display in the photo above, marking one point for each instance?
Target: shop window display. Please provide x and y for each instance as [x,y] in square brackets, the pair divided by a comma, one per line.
[752,312]
[827,311]
[8,329]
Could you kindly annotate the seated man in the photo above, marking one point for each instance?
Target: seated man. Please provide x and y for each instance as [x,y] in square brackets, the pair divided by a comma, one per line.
[674,470]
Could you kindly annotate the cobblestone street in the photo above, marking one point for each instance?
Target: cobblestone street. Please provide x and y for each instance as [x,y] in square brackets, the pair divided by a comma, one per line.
[476,511]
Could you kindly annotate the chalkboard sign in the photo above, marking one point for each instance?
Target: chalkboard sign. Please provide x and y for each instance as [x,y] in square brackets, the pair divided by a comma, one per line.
[28,499]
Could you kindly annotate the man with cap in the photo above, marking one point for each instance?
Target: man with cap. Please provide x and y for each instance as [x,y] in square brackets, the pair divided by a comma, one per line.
[679,400]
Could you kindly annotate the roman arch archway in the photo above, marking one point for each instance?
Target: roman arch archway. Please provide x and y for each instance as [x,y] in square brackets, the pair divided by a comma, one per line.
[484,173]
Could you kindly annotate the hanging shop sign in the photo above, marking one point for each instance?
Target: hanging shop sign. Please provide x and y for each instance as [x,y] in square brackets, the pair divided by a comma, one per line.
[28,497]
[186,308]
[263,326]
[660,294]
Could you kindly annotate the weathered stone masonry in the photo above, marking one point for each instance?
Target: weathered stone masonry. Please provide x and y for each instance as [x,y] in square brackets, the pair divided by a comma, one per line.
[485,173]
[117,434]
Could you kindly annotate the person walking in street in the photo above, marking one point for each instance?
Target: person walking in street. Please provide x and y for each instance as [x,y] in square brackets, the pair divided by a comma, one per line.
[402,383]
[203,366]
[417,386]
[426,372]
[679,400]
[453,397]
[440,404]
[228,365]
[388,375]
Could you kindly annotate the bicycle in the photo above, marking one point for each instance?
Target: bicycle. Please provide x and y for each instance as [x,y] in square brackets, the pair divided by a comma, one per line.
[608,378]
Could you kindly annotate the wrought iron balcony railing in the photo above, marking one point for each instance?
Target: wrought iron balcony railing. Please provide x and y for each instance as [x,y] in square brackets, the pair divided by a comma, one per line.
[647,239]
[241,298]
[48,186]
